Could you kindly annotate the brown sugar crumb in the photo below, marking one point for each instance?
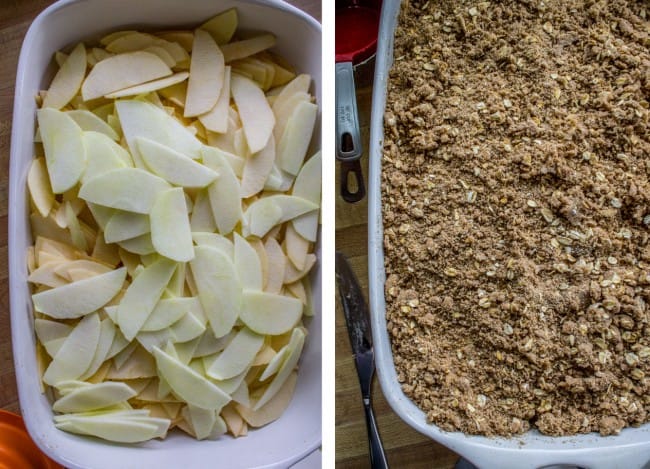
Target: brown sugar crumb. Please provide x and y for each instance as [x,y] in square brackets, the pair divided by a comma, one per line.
[516,205]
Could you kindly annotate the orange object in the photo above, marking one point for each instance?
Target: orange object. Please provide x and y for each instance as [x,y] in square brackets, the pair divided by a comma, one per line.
[17,450]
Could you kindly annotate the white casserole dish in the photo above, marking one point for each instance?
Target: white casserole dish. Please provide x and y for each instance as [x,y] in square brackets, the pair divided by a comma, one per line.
[630,449]
[298,432]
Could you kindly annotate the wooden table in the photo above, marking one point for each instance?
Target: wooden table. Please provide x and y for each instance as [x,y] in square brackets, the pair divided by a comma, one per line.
[15,18]
[405,448]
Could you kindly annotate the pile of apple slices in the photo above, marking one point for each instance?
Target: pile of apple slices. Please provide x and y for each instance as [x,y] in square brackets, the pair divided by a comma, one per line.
[174,214]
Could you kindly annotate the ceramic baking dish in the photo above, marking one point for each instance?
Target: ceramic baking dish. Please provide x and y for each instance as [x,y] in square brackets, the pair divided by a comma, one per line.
[630,449]
[298,432]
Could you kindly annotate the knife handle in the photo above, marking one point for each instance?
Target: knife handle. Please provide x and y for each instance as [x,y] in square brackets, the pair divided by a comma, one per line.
[377,455]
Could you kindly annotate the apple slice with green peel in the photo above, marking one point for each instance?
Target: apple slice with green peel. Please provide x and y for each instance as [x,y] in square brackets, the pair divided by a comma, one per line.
[150,86]
[218,287]
[143,119]
[188,384]
[254,110]
[68,79]
[40,190]
[238,355]
[265,213]
[207,70]
[101,156]
[169,310]
[130,189]
[125,225]
[247,264]
[173,166]
[242,49]
[65,154]
[170,226]
[88,121]
[222,26]
[295,346]
[224,192]
[116,428]
[142,295]
[257,169]
[76,353]
[216,241]
[293,145]
[94,397]
[266,313]
[274,407]
[106,336]
[122,71]
[308,186]
[216,120]
[79,298]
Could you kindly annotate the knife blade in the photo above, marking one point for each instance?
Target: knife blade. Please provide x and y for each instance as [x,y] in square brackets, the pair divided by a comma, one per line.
[357,319]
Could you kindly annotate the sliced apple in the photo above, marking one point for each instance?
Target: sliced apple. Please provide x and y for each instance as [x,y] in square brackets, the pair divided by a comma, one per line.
[76,353]
[295,346]
[254,110]
[224,192]
[39,186]
[68,79]
[293,145]
[216,241]
[274,407]
[125,225]
[257,169]
[47,330]
[276,266]
[96,268]
[142,119]
[127,41]
[189,327]
[90,121]
[173,166]
[266,313]
[107,332]
[292,274]
[242,49]
[116,428]
[123,71]
[202,218]
[237,356]
[80,298]
[267,212]
[170,226]
[102,156]
[300,84]
[150,86]
[207,70]
[93,397]
[142,295]
[248,264]
[308,186]
[216,119]
[222,26]
[168,311]
[283,109]
[218,287]
[141,245]
[130,189]
[65,154]
[201,420]
[188,384]
[297,247]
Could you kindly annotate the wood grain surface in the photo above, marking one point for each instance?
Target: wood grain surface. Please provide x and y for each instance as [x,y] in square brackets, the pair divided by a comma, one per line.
[405,448]
[15,18]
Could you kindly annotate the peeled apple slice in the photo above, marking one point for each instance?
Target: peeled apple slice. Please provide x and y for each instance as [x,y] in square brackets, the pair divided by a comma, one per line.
[68,79]
[248,264]
[247,47]
[170,226]
[88,121]
[76,353]
[224,192]
[80,298]
[125,225]
[266,313]
[122,71]
[188,384]
[38,183]
[296,137]
[308,186]
[94,397]
[218,287]
[254,110]
[257,169]
[222,26]
[130,189]
[216,120]
[102,158]
[117,429]
[274,407]
[142,295]
[207,70]
[237,356]
[173,166]
[150,86]
[64,149]
[265,213]
[168,311]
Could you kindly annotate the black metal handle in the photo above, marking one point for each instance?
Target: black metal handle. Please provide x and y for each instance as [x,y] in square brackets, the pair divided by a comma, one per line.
[352,169]
[377,455]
